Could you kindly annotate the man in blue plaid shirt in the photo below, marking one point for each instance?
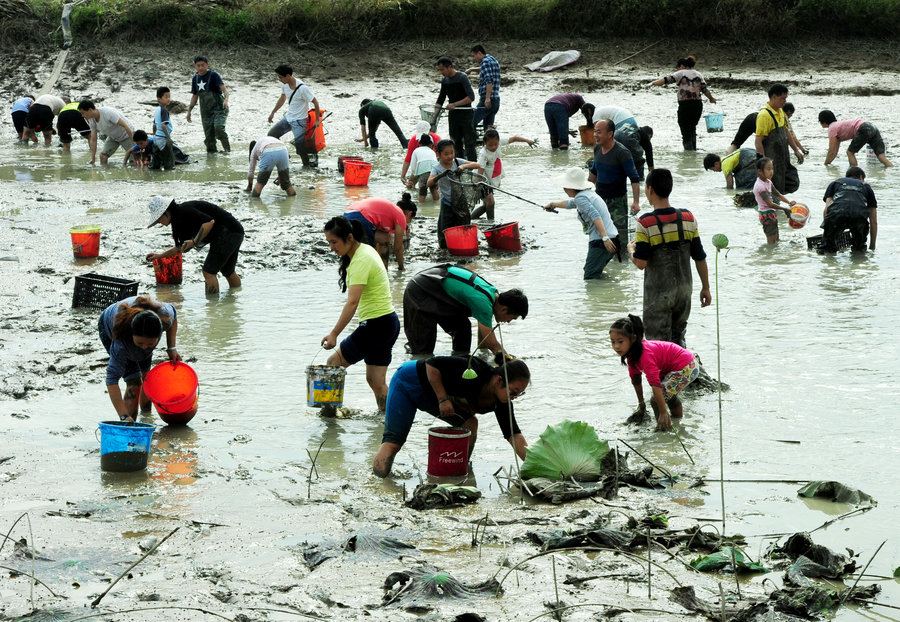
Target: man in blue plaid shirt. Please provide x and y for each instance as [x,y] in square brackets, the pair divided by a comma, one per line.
[488,86]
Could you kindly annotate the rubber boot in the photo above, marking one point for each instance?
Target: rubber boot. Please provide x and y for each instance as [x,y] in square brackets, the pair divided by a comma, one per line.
[226,145]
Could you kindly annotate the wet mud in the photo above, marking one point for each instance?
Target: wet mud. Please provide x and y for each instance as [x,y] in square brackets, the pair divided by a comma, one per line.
[805,397]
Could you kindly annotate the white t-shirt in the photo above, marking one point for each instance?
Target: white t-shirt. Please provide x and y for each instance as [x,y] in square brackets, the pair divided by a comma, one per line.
[108,124]
[298,107]
[422,161]
[51,101]
[487,160]
[616,114]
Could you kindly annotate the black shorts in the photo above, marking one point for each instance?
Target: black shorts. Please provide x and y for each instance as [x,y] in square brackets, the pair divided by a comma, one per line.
[223,253]
[69,120]
[20,118]
[746,129]
[40,118]
[372,341]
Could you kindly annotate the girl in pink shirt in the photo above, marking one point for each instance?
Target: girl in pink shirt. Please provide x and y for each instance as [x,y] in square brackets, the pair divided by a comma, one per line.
[766,193]
[669,368]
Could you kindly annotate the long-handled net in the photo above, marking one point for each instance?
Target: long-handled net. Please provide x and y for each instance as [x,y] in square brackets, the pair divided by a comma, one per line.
[467,189]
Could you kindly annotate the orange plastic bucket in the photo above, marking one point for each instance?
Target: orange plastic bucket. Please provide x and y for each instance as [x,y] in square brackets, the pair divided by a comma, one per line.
[356,173]
[587,135]
[168,270]
[462,241]
[85,240]
[174,390]
[504,237]
[448,452]
[799,215]
[315,134]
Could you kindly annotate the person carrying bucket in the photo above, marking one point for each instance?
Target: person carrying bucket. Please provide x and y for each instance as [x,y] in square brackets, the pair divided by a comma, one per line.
[365,279]
[448,296]
[130,330]
[195,224]
[603,237]
[443,387]
[690,106]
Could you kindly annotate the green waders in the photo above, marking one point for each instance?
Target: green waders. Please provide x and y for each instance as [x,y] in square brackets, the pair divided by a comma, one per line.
[213,115]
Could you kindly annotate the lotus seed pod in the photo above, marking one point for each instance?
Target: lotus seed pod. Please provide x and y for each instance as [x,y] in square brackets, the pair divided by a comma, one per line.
[469,374]
[720,241]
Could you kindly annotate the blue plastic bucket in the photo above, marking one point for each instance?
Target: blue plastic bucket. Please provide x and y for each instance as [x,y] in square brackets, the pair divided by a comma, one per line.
[715,122]
[124,446]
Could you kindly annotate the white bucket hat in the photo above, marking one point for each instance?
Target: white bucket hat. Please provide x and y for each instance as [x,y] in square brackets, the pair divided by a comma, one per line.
[423,127]
[574,178]
[158,207]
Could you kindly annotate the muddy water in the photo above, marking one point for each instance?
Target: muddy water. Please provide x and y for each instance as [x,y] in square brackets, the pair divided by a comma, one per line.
[807,347]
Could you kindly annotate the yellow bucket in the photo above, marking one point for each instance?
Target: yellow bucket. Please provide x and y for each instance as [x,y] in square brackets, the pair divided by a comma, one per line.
[325,385]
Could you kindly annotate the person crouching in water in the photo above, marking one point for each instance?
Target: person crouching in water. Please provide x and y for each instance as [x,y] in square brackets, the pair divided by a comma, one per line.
[130,330]
[669,368]
[440,387]
[195,224]
[365,279]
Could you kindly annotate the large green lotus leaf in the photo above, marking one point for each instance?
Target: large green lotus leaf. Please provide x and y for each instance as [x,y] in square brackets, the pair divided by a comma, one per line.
[723,559]
[569,449]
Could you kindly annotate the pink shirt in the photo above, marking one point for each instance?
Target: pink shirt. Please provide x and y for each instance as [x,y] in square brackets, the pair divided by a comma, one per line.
[383,214]
[658,359]
[844,130]
[414,142]
[758,188]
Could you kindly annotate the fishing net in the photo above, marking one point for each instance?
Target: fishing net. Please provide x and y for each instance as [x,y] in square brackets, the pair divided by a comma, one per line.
[364,544]
[431,113]
[467,189]
[430,496]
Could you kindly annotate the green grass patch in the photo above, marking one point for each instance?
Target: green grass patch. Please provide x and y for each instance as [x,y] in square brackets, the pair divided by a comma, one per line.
[223,22]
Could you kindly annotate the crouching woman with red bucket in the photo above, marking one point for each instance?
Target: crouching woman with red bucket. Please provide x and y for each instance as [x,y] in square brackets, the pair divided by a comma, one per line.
[130,330]
[439,387]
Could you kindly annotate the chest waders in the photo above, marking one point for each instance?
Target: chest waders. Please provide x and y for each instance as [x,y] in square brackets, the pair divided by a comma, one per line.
[213,115]
[786,178]
[668,287]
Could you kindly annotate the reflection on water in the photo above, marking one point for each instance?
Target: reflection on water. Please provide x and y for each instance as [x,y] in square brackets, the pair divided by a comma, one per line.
[174,457]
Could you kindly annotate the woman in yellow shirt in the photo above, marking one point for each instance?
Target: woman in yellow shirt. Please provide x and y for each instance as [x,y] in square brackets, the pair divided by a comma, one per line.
[365,279]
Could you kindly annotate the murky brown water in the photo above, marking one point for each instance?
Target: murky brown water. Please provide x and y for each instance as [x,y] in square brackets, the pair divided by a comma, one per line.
[808,347]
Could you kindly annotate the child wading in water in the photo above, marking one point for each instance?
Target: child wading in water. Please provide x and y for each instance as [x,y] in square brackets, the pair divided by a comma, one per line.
[669,368]
[764,191]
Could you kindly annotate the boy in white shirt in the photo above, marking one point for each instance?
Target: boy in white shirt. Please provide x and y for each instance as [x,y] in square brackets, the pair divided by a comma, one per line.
[490,166]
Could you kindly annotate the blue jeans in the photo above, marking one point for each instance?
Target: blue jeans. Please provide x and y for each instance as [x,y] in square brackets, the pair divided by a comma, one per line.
[406,396]
[483,114]
[558,123]
[297,127]
[274,158]
[368,227]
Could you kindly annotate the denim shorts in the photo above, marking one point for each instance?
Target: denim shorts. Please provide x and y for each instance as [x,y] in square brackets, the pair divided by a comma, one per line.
[368,227]
[372,341]
[272,159]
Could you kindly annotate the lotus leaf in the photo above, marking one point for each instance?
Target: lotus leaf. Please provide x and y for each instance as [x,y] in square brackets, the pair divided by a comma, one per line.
[569,449]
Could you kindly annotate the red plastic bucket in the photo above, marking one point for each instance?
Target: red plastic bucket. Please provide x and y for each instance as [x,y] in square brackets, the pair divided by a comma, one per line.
[504,237]
[168,270]
[356,173]
[462,240]
[174,390]
[343,159]
[85,240]
[448,452]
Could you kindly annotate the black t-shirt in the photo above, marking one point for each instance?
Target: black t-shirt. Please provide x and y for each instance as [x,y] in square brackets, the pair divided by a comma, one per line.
[456,88]
[188,217]
[452,368]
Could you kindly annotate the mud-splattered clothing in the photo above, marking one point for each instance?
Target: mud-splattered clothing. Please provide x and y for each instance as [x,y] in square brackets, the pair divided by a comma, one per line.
[213,113]
[126,360]
[667,239]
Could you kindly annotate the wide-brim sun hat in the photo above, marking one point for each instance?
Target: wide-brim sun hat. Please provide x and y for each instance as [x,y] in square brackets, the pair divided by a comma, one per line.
[158,206]
[574,178]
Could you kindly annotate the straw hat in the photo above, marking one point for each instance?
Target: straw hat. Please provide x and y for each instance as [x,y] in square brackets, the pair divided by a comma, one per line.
[158,207]
[574,178]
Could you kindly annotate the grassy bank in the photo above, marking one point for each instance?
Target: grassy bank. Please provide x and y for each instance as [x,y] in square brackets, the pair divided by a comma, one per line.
[320,22]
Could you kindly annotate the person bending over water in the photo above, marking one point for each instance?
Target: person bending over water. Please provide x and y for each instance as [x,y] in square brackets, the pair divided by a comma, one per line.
[669,368]
[365,279]
[130,330]
[438,387]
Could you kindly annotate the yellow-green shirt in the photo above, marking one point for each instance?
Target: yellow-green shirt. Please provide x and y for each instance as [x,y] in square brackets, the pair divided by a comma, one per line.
[730,161]
[367,269]
[764,123]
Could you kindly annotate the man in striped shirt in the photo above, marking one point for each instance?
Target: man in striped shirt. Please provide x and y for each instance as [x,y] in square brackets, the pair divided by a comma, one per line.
[488,86]
[666,240]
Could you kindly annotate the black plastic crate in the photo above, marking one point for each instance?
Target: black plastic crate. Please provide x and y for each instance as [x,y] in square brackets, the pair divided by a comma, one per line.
[96,291]
[816,242]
